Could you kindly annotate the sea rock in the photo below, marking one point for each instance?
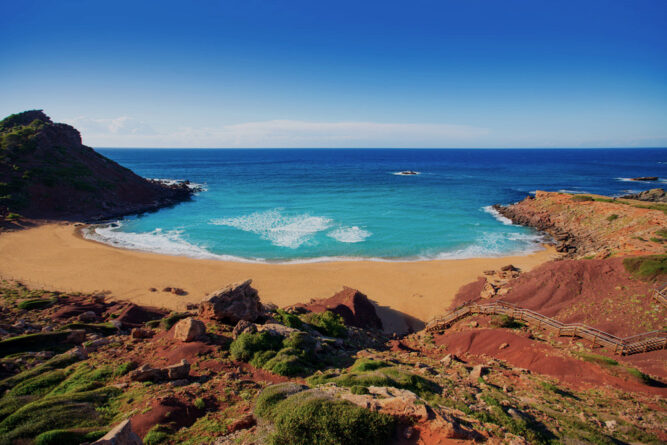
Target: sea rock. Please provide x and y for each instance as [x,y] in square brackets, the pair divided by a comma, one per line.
[653,195]
[121,434]
[355,308]
[645,178]
[243,326]
[238,301]
[189,329]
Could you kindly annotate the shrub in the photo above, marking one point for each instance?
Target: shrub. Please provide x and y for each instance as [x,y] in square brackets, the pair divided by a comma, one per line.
[84,378]
[272,395]
[38,385]
[171,319]
[582,198]
[13,216]
[34,342]
[57,362]
[246,345]
[599,359]
[386,376]
[289,320]
[36,303]
[365,364]
[124,368]
[66,437]
[302,342]
[328,323]
[199,403]
[307,418]
[612,217]
[648,267]
[287,362]
[55,412]
[505,321]
[156,435]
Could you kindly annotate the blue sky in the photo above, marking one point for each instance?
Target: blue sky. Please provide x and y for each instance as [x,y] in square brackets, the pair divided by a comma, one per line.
[252,73]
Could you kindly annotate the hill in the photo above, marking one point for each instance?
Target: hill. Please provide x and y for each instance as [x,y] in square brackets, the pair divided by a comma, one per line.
[46,172]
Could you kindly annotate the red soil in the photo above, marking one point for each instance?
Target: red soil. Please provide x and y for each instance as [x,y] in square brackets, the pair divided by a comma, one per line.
[541,358]
[168,410]
[600,293]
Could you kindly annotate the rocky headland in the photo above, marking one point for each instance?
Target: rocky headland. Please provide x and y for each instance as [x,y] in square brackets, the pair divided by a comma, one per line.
[593,226]
[47,173]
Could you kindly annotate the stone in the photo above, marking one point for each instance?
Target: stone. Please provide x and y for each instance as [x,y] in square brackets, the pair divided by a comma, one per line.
[243,326]
[178,371]
[477,372]
[276,329]
[77,336]
[147,373]
[121,434]
[245,422]
[408,433]
[141,333]
[447,360]
[238,301]
[474,324]
[189,329]
[503,346]
[355,308]
[96,344]
[610,424]
[88,316]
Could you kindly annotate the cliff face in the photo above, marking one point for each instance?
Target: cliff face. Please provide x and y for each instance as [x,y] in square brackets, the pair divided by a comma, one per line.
[46,172]
[593,225]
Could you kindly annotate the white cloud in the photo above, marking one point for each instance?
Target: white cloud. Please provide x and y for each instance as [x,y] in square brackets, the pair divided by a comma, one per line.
[127,132]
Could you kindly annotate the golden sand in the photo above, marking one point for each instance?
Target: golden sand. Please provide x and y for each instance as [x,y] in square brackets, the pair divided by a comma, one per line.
[54,257]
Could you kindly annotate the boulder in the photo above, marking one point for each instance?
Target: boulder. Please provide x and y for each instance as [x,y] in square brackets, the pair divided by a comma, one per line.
[477,372]
[189,329]
[238,301]
[653,195]
[134,316]
[147,373]
[243,326]
[88,316]
[355,308]
[178,371]
[142,333]
[76,336]
[121,434]
[276,329]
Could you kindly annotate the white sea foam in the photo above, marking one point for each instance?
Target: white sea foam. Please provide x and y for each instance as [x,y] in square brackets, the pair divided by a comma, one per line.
[191,185]
[281,230]
[349,234]
[493,212]
[572,191]
[168,242]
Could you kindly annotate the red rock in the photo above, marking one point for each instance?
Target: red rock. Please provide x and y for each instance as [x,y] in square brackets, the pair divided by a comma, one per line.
[134,316]
[352,305]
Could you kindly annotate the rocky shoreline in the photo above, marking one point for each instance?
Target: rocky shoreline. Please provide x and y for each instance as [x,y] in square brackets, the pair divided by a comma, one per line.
[591,226]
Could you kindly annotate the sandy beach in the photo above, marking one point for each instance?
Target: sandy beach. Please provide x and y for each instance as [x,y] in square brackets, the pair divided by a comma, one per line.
[55,257]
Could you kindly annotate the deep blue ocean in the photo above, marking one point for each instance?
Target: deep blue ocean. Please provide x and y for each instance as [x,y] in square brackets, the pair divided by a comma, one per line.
[310,205]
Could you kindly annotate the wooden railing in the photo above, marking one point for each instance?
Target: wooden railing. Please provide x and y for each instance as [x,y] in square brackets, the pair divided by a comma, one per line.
[648,341]
[660,295]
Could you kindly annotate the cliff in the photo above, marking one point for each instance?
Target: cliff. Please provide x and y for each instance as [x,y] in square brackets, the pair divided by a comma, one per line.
[46,172]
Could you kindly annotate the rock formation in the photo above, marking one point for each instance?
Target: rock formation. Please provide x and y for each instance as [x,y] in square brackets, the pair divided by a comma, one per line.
[238,301]
[48,173]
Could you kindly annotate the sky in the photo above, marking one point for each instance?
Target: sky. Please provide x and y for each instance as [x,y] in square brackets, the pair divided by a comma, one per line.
[423,74]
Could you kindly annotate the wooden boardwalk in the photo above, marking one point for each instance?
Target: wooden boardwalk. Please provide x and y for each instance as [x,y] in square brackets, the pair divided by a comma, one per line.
[648,341]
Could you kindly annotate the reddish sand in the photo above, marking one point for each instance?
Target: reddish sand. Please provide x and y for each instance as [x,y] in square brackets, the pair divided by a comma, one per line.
[538,357]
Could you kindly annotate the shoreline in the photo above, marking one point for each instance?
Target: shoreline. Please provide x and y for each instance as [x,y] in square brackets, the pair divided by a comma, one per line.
[406,293]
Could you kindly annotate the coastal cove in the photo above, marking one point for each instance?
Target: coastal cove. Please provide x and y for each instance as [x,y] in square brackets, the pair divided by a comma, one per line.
[55,256]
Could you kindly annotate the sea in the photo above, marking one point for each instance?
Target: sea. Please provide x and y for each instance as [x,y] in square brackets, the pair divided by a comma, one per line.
[308,205]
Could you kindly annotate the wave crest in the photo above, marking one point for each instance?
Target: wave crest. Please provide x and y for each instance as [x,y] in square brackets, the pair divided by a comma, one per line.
[349,234]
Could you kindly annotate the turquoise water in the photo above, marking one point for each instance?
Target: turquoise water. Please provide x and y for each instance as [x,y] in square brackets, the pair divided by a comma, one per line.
[313,205]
